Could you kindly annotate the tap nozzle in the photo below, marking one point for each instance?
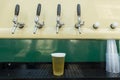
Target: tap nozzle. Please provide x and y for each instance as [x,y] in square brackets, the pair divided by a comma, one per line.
[38,25]
[58,25]
[80,22]
[15,20]
[13,29]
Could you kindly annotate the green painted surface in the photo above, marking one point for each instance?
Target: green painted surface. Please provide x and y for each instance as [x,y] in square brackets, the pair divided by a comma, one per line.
[40,50]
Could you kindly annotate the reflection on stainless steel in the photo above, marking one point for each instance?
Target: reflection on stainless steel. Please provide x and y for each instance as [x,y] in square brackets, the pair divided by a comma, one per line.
[46,46]
[76,46]
[24,46]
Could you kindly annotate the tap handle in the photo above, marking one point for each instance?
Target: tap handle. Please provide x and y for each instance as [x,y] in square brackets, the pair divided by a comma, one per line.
[59,10]
[78,10]
[38,10]
[17,9]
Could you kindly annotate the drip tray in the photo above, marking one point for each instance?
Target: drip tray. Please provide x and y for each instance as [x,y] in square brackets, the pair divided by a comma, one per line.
[44,71]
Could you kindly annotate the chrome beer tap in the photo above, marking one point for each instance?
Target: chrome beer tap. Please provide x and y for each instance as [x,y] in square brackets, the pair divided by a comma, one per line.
[15,20]
[59,24]
[38,25]
[80,22]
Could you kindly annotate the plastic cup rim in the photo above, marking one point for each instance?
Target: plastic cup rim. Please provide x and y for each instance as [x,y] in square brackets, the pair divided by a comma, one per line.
[58,54]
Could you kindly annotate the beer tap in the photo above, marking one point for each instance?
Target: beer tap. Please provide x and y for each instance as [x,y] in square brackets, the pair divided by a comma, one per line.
[15,20]
[59,24]
[38,25]
[80,22]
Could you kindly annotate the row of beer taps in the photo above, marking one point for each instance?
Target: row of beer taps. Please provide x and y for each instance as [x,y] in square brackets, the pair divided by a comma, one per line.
[39,25]
[59,24]
[20,25]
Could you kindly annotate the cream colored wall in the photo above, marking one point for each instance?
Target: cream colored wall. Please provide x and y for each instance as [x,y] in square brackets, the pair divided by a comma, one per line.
[103,11]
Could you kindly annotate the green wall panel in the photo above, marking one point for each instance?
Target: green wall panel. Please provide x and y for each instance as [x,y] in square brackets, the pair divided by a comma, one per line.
[40,50]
